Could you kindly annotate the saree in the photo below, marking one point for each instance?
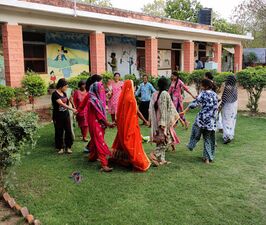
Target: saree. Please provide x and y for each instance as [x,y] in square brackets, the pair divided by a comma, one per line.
[127,146]
[97,124]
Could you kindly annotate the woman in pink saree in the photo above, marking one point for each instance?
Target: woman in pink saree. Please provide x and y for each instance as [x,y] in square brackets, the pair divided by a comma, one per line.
[97,124]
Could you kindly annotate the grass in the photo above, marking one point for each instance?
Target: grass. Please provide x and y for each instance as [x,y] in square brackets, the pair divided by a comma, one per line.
[231,191]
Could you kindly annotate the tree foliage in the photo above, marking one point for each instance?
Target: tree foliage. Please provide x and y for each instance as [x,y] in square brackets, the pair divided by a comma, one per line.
[183,9]
[251,16]
[103,3]
[155,8]
[222,25]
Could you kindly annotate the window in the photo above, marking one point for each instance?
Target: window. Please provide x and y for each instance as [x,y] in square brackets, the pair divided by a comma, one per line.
[34,51]
[176,46]
[140,44]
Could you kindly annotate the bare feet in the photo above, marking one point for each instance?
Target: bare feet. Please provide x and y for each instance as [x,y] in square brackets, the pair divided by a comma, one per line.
[106,169]
[154,159]
[206,161]
[61,151]
[165,163]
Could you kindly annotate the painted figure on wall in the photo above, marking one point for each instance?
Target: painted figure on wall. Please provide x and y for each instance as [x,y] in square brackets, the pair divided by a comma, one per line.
[67,54]
[123,51]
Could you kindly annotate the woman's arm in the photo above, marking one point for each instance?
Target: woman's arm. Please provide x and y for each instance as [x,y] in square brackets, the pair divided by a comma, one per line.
[83,103]
[142,117]
[59,101]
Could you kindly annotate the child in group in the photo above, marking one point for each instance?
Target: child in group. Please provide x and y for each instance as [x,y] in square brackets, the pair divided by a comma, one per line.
[163,117]
[205,123]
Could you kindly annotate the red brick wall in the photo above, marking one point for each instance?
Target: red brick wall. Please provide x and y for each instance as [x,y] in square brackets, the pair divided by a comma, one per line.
[218,55]
[122,13]
[188,47]
[238,58]
[97,53]
[151,56]
[13,54]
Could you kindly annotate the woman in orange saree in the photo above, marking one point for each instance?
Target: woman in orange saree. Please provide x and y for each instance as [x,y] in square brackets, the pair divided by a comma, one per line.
[127,147]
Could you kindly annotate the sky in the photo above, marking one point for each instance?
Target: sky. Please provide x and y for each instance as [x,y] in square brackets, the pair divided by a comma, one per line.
[223,7]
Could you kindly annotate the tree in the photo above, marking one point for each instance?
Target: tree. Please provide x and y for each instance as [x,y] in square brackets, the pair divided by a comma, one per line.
[103,3]
[183,9]
[251,16]
[222,25]
[156,8]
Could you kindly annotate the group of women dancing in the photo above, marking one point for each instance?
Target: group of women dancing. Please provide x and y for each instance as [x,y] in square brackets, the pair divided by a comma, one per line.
[165,110]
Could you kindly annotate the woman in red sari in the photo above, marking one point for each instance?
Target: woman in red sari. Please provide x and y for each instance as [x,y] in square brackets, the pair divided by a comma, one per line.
[81,117]
[127,147]
[97,124]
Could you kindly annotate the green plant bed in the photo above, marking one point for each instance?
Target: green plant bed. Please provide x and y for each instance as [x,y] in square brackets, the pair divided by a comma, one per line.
[229,191]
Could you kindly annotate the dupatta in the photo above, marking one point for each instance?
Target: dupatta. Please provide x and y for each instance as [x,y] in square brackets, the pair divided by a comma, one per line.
[128,140]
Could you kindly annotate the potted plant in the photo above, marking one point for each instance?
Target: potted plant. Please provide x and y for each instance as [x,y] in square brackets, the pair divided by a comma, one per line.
[34,86]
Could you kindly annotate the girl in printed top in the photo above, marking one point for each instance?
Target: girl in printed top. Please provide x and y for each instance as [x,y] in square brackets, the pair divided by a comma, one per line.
[205,123]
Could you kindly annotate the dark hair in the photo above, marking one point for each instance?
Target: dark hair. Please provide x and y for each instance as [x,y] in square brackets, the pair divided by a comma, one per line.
[61,83]
[197,61]
[116,73]
[144,76]
[81,83]
[176,74]
[113,54]
[209,75]
[207,84]
[91,80]
[163,85]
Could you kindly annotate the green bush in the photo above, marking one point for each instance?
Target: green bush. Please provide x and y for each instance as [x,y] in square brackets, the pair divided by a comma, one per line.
[18,132]
[253,80]
[34,84]
[196,77]
[220,78]
[73,81]
[7,94]
[107,76]
[133,78]
[184,76]
[154,81]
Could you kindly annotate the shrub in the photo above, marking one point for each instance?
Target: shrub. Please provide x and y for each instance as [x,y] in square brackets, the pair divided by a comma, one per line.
[253,80]
[220,78]
[73,81]
[34,84]
[17,130]
[133,78]
[107,76]
[154,81]
[7,94]
[184,76]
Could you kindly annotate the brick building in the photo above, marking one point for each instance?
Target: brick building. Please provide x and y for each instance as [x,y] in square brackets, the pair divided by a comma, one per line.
[59,38]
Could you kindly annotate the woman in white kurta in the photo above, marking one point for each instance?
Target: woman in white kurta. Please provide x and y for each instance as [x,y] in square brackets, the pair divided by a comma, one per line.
[228,109]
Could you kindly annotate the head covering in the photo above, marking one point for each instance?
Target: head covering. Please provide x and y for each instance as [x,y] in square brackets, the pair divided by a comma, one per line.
[97,98]
[230,90]
[128,141]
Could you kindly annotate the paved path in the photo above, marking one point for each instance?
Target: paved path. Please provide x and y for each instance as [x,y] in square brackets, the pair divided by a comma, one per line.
[9,217]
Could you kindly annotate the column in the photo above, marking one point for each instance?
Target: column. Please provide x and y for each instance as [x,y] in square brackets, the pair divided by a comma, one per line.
[238,58]
[218,55]
[97,53]
[151,56]
[13,54]
[188,47]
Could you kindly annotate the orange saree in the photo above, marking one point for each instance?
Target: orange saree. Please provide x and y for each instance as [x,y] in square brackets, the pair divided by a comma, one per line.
[127,147]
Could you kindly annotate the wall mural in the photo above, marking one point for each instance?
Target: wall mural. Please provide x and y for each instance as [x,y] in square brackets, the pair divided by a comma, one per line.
[67,54]
[121,53]
[2,67]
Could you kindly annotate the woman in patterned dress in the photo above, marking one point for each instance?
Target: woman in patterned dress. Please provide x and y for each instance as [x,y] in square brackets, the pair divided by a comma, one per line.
[163,116]
[228,108]
[115,89]
[81,117]
[175,91]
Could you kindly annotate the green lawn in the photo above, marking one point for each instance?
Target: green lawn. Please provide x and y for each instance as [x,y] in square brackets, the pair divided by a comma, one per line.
[231,191]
